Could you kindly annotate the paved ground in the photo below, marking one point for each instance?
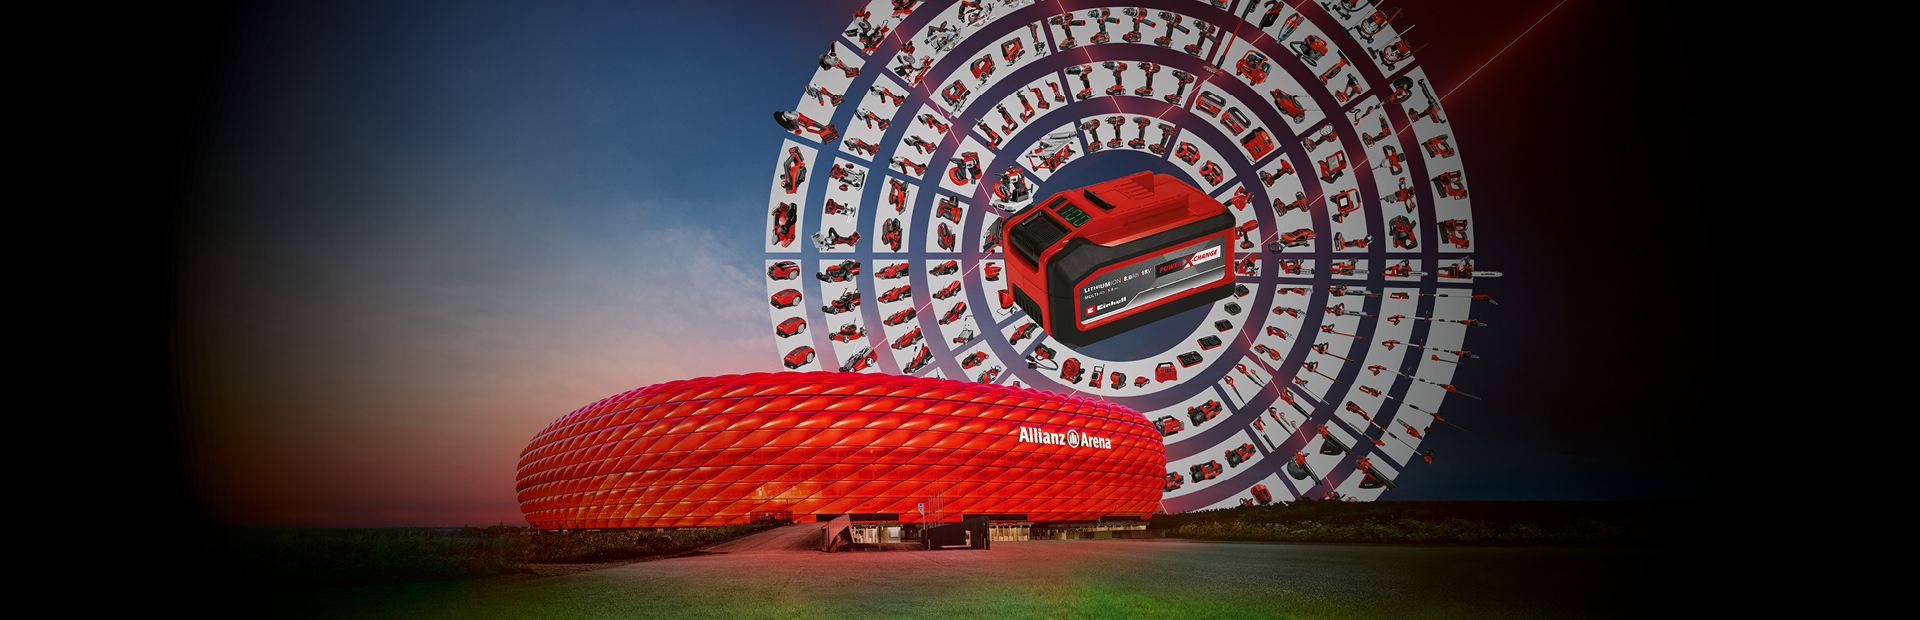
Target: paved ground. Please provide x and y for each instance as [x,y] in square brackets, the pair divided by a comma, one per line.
[774,574]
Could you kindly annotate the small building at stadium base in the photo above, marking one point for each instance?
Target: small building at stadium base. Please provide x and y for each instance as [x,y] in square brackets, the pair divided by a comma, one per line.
[892,454]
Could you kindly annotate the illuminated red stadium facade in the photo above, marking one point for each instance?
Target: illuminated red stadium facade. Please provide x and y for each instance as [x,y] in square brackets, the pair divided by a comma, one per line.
[719,450]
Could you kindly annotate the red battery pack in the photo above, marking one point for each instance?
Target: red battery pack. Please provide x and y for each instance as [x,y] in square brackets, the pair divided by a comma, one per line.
[1096,262]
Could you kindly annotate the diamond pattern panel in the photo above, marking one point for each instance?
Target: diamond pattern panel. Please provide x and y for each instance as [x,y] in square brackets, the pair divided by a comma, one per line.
[715,450]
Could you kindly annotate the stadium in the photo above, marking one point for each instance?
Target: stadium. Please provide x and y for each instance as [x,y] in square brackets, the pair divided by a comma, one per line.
[901,450]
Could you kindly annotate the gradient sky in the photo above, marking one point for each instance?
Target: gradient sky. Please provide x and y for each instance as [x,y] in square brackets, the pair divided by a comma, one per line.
[414,235]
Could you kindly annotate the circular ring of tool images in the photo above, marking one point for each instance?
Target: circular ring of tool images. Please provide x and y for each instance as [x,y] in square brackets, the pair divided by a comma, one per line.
[1290,204]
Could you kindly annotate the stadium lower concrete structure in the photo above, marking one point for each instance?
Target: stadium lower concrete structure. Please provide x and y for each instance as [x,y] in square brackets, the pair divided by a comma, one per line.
[881,448]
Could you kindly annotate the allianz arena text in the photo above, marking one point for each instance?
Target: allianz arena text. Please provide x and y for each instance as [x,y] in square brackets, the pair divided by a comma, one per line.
[721,450]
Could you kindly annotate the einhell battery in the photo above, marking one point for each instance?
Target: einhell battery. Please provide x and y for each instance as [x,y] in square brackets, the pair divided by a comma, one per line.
[1092,263]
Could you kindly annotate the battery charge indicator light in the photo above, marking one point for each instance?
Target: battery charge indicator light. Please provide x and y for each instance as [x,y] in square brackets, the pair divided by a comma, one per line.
[1072,214]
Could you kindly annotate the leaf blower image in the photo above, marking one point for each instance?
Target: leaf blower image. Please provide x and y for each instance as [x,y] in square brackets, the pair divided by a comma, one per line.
[1099,261]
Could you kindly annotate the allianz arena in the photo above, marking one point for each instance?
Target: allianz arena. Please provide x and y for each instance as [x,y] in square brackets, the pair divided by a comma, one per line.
[722,450]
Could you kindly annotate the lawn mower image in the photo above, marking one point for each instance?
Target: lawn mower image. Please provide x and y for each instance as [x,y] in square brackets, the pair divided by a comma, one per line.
[783,220]
[847,302]
[1021,333]
[848,333]
[904,291]
[791,327]
[785,299]
[862,360]
[793,171]
[945,269]
[908,339]
[896,270]
[902,316]
[842,272]
[784,270]
[1289,105]
[955,313]
[920,360]
[798,357]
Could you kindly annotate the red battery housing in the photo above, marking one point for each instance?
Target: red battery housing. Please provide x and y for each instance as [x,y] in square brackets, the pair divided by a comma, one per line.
[1092,263]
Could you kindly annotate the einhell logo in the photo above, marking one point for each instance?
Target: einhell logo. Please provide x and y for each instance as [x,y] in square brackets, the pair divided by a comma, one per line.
[1071,439]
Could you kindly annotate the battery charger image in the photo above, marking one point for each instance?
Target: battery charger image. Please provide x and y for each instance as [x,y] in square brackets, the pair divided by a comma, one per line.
[1092,263]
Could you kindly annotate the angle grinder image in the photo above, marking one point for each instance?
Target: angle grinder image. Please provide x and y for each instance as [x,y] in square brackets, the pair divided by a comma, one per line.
[1096,262]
